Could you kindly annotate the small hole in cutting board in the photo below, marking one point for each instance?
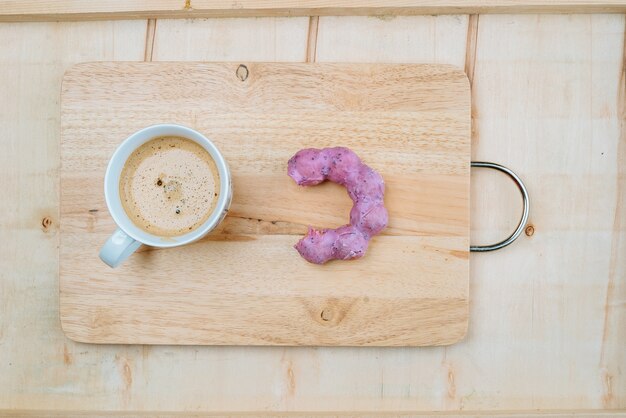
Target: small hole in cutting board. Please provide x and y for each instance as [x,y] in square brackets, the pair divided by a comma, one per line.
[326,315]
[242,72]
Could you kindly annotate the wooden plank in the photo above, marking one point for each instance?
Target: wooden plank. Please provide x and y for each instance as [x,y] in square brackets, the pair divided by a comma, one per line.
[33,58]
[284,40]
[547,293]
[613,358]
[556,89]
[361,414]
[57,10]
[416,39]
[408,122]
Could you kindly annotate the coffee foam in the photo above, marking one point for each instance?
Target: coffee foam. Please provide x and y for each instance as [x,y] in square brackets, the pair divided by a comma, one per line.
[169,186]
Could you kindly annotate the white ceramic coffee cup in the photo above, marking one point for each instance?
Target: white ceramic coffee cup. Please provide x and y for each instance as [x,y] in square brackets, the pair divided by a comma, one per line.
[128,236]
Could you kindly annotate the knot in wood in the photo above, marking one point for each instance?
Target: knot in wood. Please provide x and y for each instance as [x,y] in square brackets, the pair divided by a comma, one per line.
[242,72]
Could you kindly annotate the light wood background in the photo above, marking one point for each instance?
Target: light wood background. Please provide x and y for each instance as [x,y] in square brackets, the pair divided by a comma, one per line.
[245,284]
[52,10]
[547,315]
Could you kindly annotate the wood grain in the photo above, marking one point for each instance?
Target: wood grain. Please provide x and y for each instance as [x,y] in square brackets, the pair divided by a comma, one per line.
[409,122]
[381,414]
[55,10]
[536,344]
[567,108]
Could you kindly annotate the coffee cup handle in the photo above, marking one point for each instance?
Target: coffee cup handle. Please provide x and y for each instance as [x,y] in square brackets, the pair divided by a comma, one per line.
[118,248]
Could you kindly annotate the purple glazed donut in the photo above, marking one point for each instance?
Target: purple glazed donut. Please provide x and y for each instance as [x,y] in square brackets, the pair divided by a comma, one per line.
[365,187]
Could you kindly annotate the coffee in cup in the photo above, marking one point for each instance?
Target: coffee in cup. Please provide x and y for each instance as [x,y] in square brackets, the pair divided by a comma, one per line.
[169,186]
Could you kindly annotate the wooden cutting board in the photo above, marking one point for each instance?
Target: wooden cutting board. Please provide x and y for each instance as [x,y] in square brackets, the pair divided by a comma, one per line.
[245,284]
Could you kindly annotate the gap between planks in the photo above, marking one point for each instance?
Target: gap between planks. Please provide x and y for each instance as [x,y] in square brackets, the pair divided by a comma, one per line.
[470,47]
[311,40]
[470,64]
[150,35]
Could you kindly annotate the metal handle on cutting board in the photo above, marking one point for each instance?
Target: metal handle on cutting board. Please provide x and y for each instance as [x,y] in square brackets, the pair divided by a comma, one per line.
[525,212]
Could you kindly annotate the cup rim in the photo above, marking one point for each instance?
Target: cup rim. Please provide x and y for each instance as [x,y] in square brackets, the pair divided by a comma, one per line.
[124,150]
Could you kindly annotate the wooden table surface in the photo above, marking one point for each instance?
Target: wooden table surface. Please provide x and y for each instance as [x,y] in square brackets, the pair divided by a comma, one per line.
[547,324]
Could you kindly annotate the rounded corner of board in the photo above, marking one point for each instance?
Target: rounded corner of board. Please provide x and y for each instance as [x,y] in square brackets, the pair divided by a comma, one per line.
[461,336]
[72,335]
